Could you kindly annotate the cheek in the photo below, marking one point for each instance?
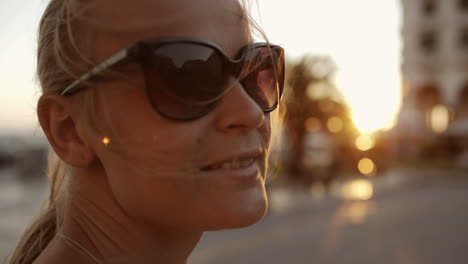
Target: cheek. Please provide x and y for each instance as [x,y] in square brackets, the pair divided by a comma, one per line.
[154,178]
[149,161]
[136,132]
[164,185]
[141,142]
[152,165]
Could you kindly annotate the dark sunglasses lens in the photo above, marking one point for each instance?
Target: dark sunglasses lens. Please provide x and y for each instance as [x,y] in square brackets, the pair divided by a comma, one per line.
[185,80]
[262,76]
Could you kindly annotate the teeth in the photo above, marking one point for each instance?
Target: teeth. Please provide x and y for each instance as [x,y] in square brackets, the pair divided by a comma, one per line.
[236,164]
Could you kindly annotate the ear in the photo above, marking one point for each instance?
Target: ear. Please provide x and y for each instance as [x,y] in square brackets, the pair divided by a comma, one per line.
[59,124]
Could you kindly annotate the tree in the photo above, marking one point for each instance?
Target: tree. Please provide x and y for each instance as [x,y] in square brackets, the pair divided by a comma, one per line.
[312,95]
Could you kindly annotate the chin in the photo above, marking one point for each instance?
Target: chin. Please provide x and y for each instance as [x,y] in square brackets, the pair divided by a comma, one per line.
[242,214]
[250,219]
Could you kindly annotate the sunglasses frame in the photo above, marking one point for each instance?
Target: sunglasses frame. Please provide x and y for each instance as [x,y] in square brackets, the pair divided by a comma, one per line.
[135,54]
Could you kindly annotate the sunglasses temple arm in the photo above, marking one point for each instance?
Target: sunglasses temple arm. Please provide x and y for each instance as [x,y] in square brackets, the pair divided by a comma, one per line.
[111,62]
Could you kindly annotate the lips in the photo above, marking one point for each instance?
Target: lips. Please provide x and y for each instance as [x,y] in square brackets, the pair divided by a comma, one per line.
[243,160]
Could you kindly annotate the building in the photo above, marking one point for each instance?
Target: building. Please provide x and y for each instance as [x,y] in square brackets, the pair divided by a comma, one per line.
[434,68]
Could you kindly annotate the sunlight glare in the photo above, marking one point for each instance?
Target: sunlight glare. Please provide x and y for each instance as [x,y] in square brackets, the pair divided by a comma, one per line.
[374,100]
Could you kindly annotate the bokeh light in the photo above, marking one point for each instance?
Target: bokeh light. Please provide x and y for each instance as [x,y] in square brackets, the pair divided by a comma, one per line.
[364,142]
[439,118]
[335,124]
[366,166]
[313,124]
[358,190]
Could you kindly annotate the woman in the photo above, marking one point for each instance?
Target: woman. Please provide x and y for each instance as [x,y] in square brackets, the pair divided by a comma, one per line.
[159,115]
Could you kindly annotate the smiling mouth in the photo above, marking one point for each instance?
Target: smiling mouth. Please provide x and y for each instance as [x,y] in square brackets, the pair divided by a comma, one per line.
[235,164]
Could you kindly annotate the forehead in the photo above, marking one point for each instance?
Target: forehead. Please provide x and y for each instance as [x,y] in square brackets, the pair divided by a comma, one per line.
[119,23]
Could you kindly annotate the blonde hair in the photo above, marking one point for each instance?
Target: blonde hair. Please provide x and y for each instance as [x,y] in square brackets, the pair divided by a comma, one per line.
[57,67]
[55,70]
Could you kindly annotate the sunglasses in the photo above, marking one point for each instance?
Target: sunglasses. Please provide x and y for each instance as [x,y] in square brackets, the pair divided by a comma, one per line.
[185,78]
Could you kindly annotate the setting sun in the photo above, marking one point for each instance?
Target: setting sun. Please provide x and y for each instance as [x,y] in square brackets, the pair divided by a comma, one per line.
[364,43]
[371,85]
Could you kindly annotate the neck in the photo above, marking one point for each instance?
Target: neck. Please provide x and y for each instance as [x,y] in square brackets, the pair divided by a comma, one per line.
[95,220]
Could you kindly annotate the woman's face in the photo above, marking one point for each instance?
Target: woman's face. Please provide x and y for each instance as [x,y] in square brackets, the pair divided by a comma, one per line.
[155,167]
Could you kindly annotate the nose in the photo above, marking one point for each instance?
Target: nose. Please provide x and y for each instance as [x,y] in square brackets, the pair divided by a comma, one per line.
[238,111]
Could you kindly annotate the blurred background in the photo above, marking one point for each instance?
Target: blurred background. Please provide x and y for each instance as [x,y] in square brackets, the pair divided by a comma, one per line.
[373,159]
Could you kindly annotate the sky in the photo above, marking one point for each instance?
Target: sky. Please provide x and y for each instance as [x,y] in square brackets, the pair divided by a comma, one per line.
[362,36]
[19,22]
